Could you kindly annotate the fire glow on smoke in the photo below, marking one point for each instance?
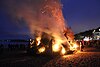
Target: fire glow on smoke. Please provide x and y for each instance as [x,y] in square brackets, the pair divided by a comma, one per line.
[42,16]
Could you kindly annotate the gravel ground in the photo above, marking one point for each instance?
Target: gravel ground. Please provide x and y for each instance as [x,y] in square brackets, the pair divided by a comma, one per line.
[21,59]
[89,58]
[80,59]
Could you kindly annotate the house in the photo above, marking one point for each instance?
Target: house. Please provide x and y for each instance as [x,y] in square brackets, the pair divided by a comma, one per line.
[96,34]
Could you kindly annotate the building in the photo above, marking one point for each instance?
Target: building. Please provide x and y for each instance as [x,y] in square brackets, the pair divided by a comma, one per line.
[96,34]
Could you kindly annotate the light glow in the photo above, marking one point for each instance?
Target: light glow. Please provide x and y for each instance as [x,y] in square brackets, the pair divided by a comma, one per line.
[63,51]
[55,47]
[74,47]
[38,40]
[42,49]
[86,39]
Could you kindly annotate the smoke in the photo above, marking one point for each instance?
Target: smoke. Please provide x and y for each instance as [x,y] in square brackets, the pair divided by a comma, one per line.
[39,15]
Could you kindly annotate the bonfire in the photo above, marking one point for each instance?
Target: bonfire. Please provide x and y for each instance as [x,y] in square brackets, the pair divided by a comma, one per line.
[49,31]
[47,44]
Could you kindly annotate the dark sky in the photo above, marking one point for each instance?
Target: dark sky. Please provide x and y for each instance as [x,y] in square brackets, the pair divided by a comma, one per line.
[80,15]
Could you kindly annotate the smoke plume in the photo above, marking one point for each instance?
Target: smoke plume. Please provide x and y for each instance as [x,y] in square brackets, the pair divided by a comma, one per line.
[39,15]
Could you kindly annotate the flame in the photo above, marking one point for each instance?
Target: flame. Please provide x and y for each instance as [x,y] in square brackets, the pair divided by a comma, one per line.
[42,49]
[58,48]
[55,47]
[38,40]
[74,46]
[63,51]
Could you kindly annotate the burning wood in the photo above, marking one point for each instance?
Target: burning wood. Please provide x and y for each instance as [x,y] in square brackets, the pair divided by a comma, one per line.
[43,43]
[47,25]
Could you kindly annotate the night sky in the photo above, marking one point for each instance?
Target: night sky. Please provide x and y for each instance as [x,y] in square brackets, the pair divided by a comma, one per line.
[80,15]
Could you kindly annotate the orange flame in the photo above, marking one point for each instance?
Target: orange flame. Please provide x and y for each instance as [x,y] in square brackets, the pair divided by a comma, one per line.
[63,51]
[55,47]
[42,49]
[74,46]
[38,40]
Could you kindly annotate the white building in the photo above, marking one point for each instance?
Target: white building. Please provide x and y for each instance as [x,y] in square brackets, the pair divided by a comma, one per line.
[96,34]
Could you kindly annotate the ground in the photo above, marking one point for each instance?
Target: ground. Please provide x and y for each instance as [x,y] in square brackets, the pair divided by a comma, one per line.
[90,57]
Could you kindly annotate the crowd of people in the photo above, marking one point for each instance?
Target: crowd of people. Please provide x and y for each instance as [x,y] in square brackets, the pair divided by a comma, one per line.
[91,43]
